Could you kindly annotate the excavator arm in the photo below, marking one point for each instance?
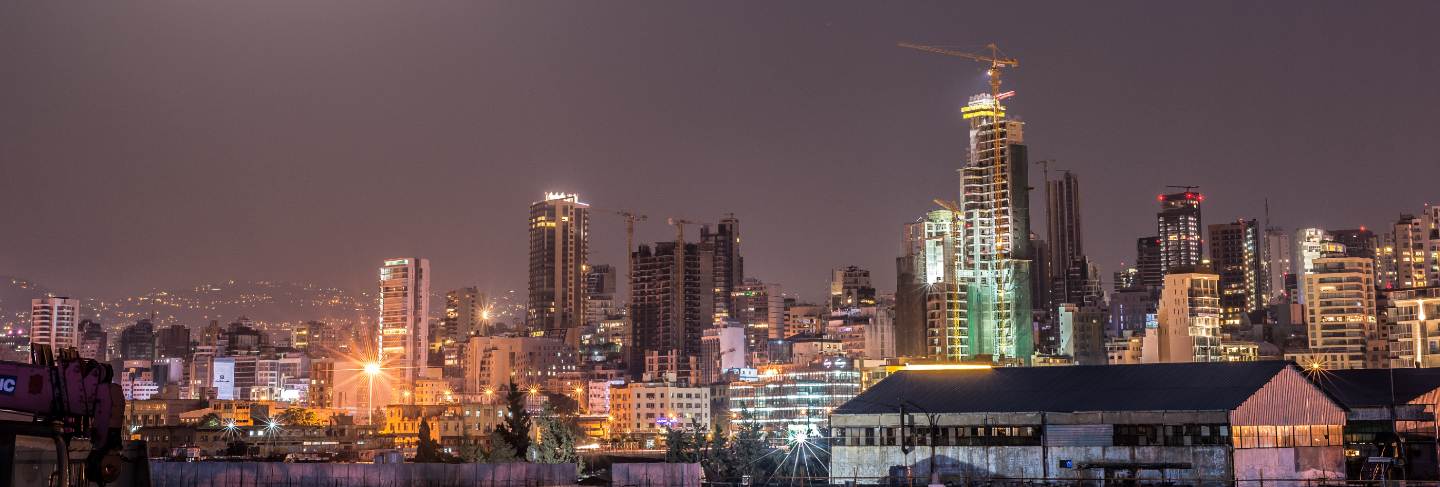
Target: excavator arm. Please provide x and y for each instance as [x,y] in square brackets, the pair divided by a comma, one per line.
[75,398]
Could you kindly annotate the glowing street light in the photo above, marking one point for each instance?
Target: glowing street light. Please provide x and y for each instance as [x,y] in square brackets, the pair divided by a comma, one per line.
[372,369]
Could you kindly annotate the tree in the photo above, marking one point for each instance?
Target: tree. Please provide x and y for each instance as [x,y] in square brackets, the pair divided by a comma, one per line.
[557,442]
[718,460]
[562,404]
[515,430]
[299,417]
[682,446]
[501,452]
[748,451]
[427,450]
[210,420]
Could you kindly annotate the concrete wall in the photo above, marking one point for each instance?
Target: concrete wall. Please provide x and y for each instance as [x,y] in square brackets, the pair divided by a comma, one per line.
[979,462]
[655,474]
[1310,462]
[271,474]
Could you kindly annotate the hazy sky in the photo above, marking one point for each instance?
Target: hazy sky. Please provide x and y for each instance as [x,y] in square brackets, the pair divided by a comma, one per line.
[159,144]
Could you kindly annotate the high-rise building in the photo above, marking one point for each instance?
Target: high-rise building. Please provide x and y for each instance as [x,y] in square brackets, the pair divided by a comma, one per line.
[995,253]
[559,258]
[1040,276]
[137,341]
[1358,242]
[929,311]
[318,339]
[243,338]
[1188,318]
[1069,268]
[1340,312]
[1082,284]
[1278,256]
[850,288]
[1403,255]
[1179,228]
[404,341]
[1130,310]
[1430,233]
[1414,316]
[1082,333]
[1235,254]
[802,318]
[466,314]
[729,266]
[53,322]
[673,304]
[493,362]
[602,299]
[173,342]
[1150,264]
[760,308]
[1310,244]
[94,341]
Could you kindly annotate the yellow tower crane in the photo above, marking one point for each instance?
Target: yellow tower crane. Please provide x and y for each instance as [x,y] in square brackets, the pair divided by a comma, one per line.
[996,60]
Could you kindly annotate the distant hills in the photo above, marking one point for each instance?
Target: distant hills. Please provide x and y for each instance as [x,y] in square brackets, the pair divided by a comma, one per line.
[262,301]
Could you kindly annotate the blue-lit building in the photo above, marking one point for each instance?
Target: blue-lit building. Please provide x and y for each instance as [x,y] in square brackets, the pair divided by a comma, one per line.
[794,401]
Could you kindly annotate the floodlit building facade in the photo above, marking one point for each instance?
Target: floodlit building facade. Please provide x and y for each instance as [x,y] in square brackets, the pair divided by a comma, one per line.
[404,326]
[559,256]
[1403,254]
[795,401]
[1188,318]
[53,322]
[1340,313]
[1414,316]
[646,410]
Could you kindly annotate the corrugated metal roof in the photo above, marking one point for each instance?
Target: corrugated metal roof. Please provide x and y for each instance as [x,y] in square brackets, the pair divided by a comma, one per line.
[1149,387]
[1358,388]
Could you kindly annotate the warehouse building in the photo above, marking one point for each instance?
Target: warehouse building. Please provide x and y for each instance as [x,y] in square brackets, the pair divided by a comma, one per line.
[1390,429]
[1200,423]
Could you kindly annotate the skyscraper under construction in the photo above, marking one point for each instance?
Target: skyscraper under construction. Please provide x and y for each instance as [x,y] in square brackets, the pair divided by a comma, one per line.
[995,245]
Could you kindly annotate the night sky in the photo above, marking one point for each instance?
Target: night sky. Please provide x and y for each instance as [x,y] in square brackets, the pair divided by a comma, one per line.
[153,144]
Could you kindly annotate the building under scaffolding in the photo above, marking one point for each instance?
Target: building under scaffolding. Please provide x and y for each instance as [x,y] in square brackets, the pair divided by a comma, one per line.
[994,258]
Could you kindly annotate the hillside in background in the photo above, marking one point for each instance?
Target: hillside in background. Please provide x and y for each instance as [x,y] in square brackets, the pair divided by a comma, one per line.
[262,301]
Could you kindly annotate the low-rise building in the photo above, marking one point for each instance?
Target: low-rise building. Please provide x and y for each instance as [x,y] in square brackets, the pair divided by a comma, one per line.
[644,410]
[1390,429]
[794,401]
[1204,422]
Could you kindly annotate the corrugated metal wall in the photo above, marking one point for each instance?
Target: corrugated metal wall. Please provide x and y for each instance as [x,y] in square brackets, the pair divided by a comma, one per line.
[1288,399]
[1079,435]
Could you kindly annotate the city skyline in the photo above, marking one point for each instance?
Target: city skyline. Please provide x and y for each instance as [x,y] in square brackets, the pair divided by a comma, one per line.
[178,186]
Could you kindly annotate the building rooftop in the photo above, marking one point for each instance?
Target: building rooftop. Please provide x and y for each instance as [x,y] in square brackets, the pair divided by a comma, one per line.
[1360,388]
[1149,387]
